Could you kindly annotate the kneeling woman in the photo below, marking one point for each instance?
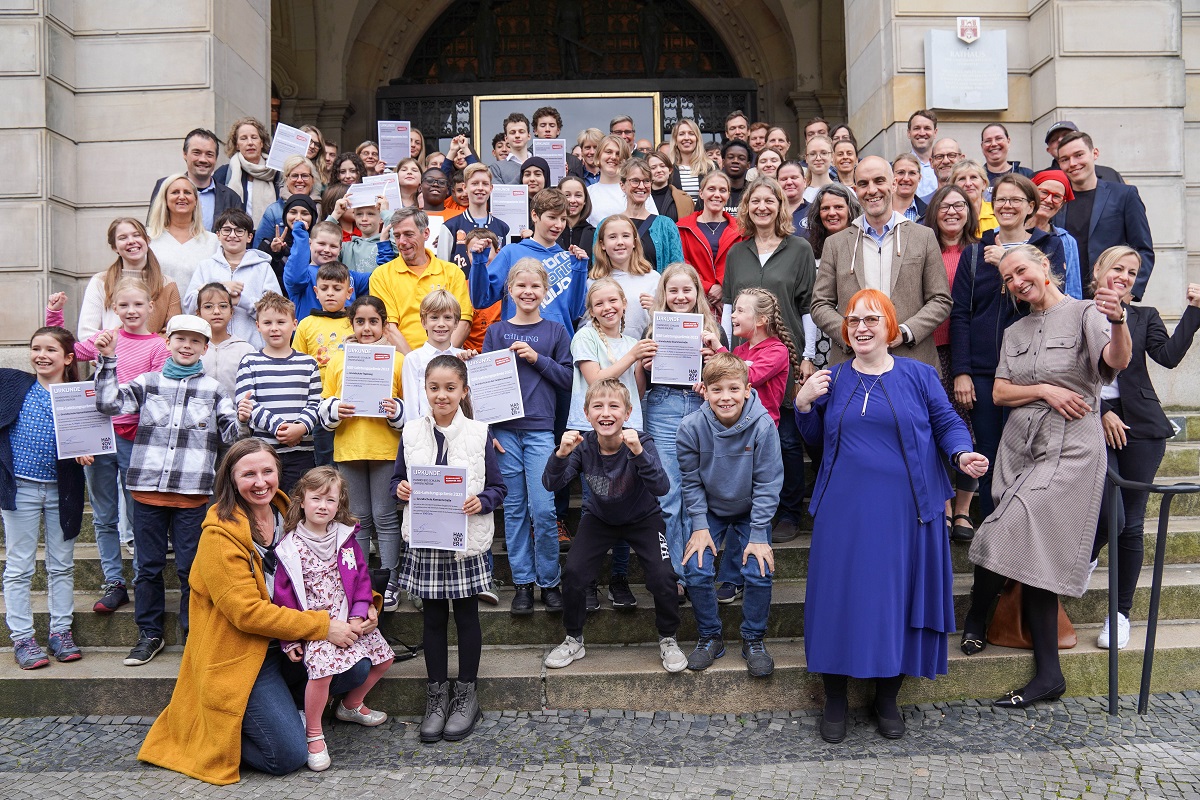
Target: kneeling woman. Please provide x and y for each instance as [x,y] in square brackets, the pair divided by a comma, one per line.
[1049,474]
[232,703]
[879,602]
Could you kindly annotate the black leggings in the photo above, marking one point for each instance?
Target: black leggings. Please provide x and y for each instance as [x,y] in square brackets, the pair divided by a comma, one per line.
[1039,611]
[436,638]
[1138,460]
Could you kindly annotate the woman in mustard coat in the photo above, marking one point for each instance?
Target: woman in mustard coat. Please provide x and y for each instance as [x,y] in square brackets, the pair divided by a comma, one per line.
[231,702]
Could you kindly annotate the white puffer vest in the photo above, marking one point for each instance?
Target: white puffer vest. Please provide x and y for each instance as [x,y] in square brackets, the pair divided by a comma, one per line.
[466,441]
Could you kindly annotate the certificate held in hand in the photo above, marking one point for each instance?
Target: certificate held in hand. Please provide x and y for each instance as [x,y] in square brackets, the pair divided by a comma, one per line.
[79,429]
[367,378]
[286,142]
[436,507]
[679,338]
[495,386]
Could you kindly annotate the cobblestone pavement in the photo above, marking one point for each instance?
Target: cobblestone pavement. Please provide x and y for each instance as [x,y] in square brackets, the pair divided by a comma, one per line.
[1071,749]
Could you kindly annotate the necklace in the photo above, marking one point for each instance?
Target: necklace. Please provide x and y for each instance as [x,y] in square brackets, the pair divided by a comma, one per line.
[713,227]
[867,396]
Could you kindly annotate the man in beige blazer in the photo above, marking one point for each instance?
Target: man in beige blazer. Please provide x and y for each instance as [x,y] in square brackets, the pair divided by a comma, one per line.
[882,250]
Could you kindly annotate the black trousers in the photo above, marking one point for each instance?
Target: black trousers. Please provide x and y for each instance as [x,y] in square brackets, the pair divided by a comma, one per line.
[648,539]
[1138,461]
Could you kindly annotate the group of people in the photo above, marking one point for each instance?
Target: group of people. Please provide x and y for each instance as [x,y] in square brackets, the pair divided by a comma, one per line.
[925,329]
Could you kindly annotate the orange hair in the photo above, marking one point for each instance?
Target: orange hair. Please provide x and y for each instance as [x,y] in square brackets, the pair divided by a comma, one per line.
[874,299]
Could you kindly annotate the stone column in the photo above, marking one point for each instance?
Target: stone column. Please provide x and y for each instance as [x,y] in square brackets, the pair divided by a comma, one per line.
[92,117]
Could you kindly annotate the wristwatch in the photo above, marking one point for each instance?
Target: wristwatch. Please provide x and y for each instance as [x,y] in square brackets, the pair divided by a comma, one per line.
[954,458]
[1124,316]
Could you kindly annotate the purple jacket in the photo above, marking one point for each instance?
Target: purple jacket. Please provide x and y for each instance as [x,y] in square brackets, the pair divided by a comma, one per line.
[352,566]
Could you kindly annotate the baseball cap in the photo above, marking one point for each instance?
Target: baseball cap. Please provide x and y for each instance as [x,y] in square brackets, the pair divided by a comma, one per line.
[1065,125]
[189,323]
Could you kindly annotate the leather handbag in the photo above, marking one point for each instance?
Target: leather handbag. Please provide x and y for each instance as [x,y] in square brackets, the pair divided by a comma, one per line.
[1008,628]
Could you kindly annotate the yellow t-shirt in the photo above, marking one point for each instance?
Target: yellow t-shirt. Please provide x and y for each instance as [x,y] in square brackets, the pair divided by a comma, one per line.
[321,338]
[363,438]
[402,291]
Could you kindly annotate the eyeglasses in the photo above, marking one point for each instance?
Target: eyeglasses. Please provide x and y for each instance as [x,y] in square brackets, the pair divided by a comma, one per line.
[870,321]
[436,182]
[1051,197]
[637,181]
[1000,202]
[623,132]
[228,231]
[958,206]
[943,157]
[215,307]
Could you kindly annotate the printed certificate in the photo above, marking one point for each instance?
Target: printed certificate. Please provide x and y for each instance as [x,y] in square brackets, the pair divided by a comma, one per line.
[287,141]
[495,386]
[435,509]
[555,153]
[395,141]
[79,429]
[511,204]
[367,378]
[679,338]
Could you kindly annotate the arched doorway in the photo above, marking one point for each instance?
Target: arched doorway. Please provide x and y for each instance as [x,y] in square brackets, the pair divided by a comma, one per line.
[659,51]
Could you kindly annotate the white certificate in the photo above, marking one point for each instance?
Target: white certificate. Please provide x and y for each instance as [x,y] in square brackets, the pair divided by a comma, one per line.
[388,185]
[368,378]
[436,224]
[287,141]
[79,429]
[495,386]
[359,195]
[679,338]
[511,204]
[395,143]
[555,153]
[435,508]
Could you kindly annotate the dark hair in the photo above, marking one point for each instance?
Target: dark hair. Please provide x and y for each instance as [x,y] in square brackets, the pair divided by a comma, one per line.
[817,234]
[66,341]
[203,133]
[548,111]
[549,200]
[334,271]
[367,300]
[335,191]
[353,159]
[814,121]
[235,217]
[497,139]
[226,498]
[994,125]
[515,117]
[935,203]
[836,128]
[213,287]
[1075,136]
[732,143]
[923,112]
[455,365]
[587,197]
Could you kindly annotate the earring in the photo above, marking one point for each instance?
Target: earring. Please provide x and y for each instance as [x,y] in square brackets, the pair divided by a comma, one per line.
[1047,281]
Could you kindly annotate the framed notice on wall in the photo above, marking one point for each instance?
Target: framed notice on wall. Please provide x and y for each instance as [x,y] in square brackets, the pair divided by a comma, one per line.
[962,75]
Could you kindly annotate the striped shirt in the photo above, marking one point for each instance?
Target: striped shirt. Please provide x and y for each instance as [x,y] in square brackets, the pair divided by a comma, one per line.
[283,390]
[181,423]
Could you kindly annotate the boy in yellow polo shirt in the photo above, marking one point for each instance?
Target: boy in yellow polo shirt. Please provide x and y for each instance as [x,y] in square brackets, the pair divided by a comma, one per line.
[403,283]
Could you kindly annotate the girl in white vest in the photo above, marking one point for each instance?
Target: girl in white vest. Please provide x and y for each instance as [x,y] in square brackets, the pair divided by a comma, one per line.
[447,436]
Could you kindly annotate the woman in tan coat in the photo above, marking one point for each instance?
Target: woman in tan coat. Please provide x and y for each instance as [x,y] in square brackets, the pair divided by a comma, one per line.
[231,702]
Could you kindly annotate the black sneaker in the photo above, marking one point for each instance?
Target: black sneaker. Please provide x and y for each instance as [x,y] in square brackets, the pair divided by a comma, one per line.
[708,650]
[115,596]
[552,598]
[729,592]
[145,650]
[785,531]
[758,660]
[522,603]
[591,597]
[619,593]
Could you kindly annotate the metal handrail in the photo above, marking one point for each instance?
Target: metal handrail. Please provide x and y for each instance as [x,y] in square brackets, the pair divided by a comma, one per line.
[1168,491]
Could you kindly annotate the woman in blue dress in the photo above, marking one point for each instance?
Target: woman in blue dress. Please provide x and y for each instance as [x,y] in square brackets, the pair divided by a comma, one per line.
[879,603]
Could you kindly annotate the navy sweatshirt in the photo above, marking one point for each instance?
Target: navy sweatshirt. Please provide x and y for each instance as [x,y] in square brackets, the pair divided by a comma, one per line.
[539,382]
[624,488]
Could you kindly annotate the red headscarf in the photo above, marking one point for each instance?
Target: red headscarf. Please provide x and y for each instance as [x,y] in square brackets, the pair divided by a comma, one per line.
[1055,175]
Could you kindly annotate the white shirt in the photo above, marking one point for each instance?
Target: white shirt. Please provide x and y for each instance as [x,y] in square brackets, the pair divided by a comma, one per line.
[179,261]
[412,378]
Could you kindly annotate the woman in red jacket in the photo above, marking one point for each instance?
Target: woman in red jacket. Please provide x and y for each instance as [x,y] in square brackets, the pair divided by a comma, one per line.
[708,234]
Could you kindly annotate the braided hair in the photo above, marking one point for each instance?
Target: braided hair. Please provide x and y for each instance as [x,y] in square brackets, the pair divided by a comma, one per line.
[766,305]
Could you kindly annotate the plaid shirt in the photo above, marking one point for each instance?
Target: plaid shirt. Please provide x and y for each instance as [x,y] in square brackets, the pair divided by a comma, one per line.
[180,425]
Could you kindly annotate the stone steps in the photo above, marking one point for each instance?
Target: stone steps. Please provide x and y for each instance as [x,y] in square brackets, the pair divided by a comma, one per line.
[791,558]
[618,677]
[1180,601]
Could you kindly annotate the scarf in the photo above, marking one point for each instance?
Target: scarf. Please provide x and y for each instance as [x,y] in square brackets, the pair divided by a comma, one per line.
[263,195]
[320,312]
[292,202]
[323,545]
[176,372]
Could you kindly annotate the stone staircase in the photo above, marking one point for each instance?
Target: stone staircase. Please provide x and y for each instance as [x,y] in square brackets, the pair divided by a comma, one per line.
[622,668]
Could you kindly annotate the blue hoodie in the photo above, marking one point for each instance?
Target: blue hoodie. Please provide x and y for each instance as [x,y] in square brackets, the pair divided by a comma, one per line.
[731,471]
[300,276]
[565,296]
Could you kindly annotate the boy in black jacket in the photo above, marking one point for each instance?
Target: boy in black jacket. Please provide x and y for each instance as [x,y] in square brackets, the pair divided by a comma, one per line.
[626,478]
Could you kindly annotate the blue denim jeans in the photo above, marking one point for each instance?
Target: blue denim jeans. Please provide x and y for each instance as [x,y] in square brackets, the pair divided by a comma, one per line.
[665,409]
[106,488]
[756,603]
[273,738]
[151,527]
[36,501]
[522,464]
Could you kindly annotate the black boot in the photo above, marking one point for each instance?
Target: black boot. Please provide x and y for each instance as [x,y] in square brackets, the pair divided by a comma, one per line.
[833,720]
[464,712]
[887,713]
[437,708]
[522,602]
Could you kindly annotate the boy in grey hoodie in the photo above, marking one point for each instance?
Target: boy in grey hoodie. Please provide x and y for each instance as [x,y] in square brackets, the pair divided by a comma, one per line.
[732,469]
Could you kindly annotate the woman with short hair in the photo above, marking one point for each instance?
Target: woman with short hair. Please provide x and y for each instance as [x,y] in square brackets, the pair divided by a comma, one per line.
[659,235]
[671,201]
[247,172]
[971,177]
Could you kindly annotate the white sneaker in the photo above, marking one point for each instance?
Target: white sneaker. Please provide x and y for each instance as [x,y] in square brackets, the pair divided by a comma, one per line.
[570,651]
[489,595]
[1091,569]
[673,659]
[1103,640]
